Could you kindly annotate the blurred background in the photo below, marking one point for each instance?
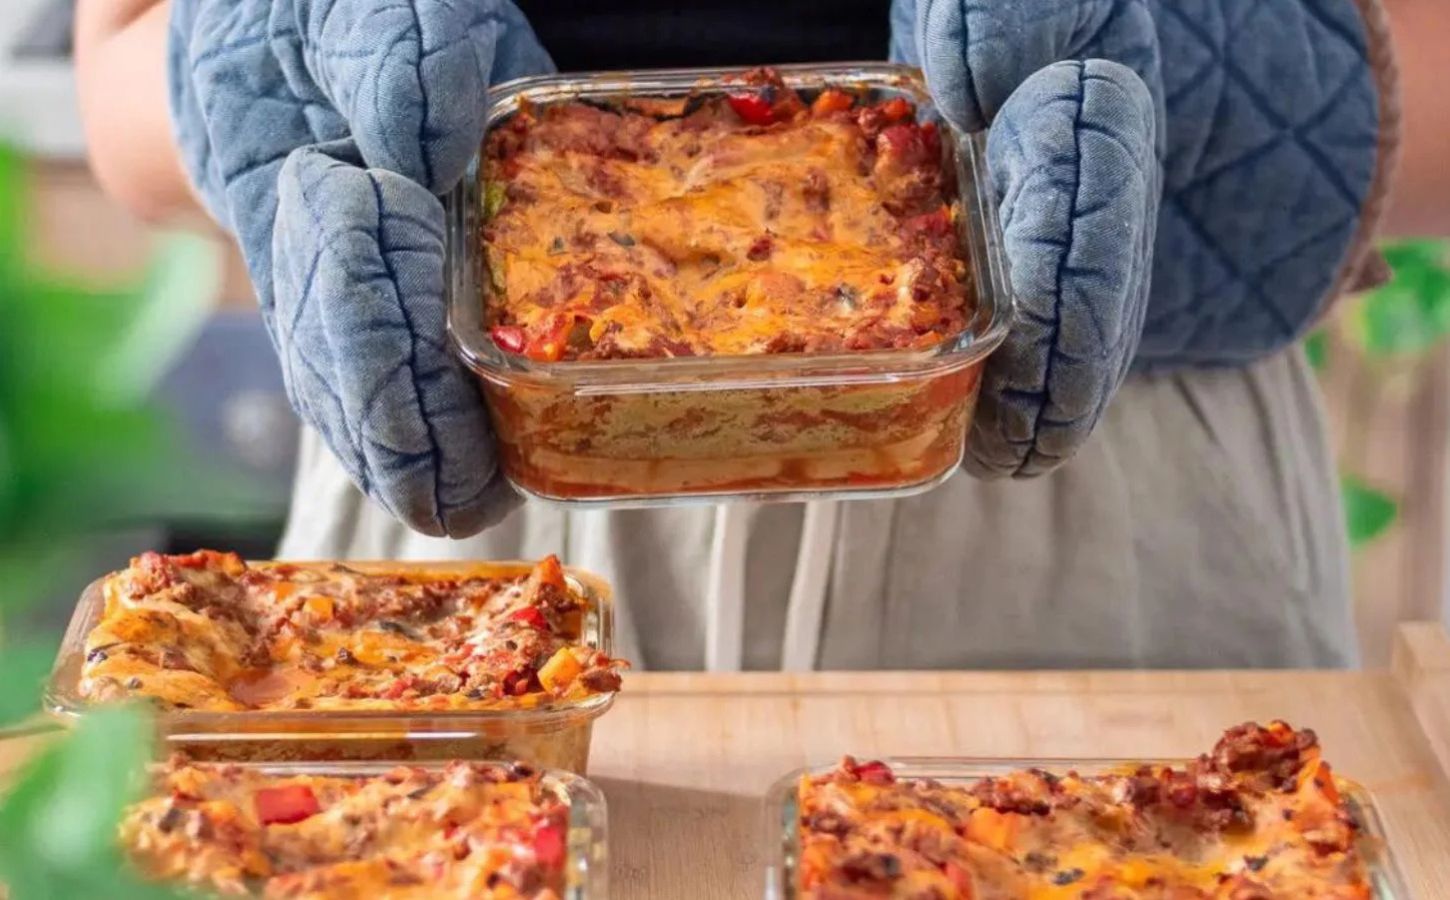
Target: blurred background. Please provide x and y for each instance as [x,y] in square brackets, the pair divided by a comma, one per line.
[212,393]
[212,398]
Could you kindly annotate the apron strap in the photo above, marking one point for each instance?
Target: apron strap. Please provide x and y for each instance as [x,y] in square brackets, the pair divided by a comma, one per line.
[807,607]
[725,589]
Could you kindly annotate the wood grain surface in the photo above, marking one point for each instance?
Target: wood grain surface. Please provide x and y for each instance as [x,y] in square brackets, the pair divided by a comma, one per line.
[686,759]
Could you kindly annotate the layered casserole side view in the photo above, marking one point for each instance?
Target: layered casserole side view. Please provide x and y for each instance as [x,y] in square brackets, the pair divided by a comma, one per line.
[208,631]
[470,830]
[738,221]
[1260,818]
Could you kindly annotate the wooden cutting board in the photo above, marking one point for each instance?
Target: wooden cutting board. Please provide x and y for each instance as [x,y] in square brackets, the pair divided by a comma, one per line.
[686,759]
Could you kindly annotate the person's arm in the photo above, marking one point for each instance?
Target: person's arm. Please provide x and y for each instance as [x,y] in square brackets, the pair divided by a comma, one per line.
[120,50]
[1420,197]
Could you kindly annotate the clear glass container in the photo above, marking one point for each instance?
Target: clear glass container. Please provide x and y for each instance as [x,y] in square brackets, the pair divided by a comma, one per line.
[586,861]
[789,426]
[551,736]
[783,816]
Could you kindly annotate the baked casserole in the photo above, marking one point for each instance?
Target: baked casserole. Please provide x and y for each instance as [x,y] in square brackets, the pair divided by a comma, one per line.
[755,284]
[207,631]
[469,830]
[753,222]
[1261,817]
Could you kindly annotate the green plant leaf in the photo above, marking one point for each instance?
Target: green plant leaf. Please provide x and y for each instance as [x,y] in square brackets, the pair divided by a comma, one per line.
[13,197]
[61,815]
[165,322]
[1316,350]
[1367,511]
[1411,313]
[23,667]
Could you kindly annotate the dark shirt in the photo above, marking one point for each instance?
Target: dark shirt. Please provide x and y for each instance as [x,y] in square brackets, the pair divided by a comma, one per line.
[644,34]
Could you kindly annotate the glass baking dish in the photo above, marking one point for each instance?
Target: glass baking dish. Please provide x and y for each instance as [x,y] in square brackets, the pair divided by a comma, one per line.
[789,426]
[555,736]
[586,862]
[783,831]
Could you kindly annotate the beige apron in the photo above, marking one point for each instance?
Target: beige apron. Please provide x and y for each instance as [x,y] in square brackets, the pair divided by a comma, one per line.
[1200,527]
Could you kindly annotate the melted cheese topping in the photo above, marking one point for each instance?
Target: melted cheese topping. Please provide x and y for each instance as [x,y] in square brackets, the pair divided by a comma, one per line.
[1259,819]
[617,233]
[208,631]
[475,830]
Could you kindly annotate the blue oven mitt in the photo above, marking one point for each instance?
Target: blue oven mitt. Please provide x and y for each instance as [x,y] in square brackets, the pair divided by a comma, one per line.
[319,132]
[1224,147]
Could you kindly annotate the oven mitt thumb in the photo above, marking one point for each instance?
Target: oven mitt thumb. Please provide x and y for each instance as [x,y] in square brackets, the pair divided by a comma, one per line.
[318,132]
[1072,156]
[1235,148]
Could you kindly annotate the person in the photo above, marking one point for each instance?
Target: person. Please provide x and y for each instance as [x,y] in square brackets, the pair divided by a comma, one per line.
[1184,193]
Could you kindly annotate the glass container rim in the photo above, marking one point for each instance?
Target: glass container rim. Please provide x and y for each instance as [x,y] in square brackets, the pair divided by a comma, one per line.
[61,699]
[980,230]
[587,869]
[782,825]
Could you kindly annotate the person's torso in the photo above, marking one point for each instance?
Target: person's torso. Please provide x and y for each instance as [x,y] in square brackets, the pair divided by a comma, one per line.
[584,35]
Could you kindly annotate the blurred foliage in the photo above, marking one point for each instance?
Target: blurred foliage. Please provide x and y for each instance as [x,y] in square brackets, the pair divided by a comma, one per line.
[1368,513]
[82,449]
[1399,322]
[58,821]
[1316,349]
[1411,314]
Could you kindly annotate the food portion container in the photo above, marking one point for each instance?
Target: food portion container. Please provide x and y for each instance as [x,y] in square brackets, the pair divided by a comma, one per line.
[799,426]
[586,861]
[783,816]
[553,736]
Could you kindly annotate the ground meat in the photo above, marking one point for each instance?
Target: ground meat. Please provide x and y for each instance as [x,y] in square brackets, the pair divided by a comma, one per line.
[1277,753]
[866,866]
[1026,793]
[602,680]
[817,191]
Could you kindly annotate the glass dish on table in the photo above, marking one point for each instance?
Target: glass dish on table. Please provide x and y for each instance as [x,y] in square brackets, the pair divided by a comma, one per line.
[347,830]
[1262,815]
[363,661]
[707,284]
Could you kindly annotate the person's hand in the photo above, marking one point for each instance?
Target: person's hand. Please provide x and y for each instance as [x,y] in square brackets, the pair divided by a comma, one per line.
[319,132]
[1180,184]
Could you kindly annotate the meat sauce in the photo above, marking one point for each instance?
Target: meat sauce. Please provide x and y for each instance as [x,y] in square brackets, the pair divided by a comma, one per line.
[207,631]
[1261,817]
[745,223]
[470,830]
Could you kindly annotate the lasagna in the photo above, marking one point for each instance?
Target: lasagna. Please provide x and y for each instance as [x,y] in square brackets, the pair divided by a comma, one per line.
[470,830]
[207,631]
[744,222]
[1259,818]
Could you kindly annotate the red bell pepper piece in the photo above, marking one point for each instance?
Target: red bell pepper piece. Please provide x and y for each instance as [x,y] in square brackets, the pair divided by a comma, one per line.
[753,109]
[510,338]
[960,878]
[549,348]
[285,805]
[549,844]
[399,685]
[931,140]
[897,108]
[938,222]
[904,142]
[530,615]
[875,772]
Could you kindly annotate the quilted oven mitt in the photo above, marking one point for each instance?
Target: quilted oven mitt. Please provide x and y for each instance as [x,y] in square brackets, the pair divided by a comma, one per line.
[1182,182]
[319,132]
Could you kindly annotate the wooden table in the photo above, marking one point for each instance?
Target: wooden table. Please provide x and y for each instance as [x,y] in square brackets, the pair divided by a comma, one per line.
[685,759]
